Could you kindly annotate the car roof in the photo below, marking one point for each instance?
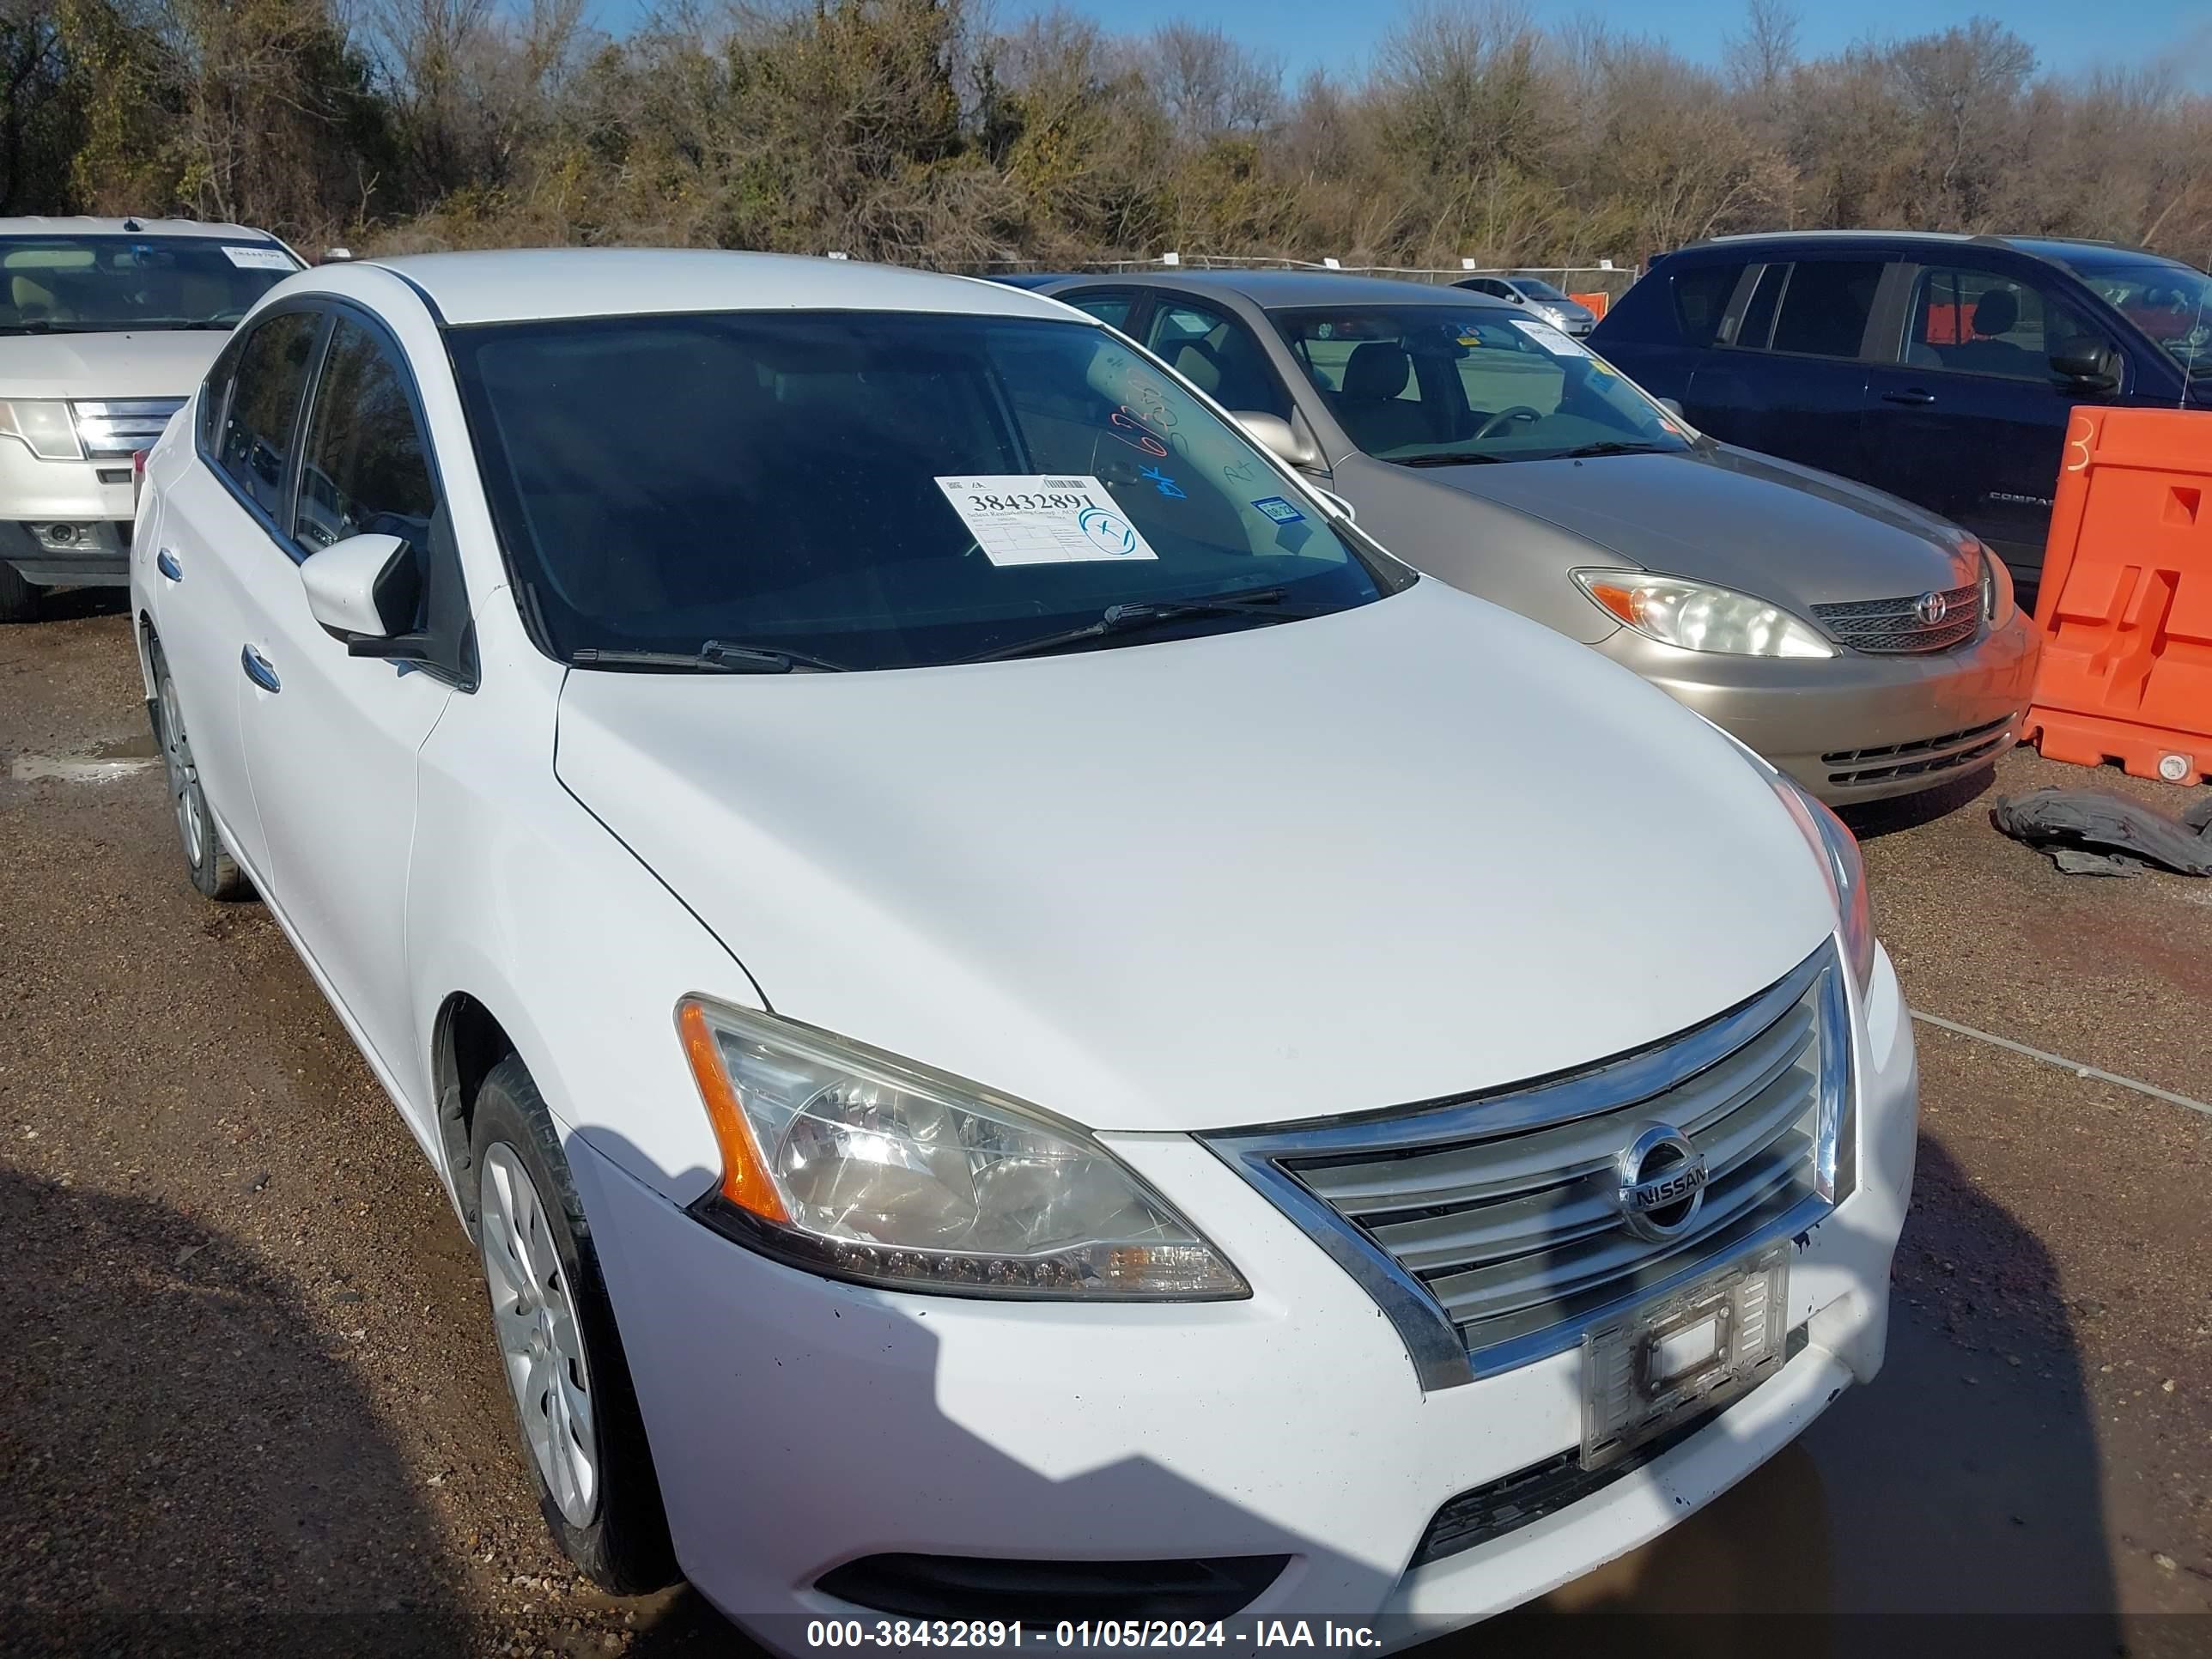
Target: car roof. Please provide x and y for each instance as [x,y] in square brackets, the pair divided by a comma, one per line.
[1276,289]
[531,284]
[2040,247]
[80,225]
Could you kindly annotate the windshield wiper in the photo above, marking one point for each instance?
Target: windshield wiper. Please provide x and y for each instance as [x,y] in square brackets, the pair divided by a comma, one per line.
[713,658]
[1611,446]
[1457,458]
[1266,602]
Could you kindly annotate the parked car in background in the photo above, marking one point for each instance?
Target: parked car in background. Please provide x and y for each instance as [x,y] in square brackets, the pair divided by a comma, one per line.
[1556,309]
[1863,645]
[1938,367]
[106,326]
[991,979]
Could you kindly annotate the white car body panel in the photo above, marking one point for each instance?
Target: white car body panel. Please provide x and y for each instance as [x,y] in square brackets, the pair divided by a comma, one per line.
[1414,849]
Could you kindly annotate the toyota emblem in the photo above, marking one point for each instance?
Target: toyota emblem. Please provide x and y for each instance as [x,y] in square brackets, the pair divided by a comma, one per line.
[1931,608]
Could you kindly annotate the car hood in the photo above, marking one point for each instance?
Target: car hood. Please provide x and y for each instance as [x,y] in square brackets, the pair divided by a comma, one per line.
[1789,534]
[1414,849]
[157,363]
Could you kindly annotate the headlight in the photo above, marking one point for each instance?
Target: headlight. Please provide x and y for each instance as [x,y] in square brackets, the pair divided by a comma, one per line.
[1997,591]
[44,425]
[1697,617]
[851,1163]
[1837,850]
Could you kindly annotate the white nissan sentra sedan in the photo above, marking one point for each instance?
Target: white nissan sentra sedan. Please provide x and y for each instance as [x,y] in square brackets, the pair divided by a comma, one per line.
[1029,1025]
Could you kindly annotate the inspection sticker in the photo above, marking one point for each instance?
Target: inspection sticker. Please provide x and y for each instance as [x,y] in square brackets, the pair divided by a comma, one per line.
[259,258]
[1279,510]
[1550,338]
[1032,518]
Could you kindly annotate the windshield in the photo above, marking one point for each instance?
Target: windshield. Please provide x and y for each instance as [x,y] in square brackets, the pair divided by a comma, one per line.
[102,284]
[1536,289]
[1420,385]
[2171,303]
[873,489]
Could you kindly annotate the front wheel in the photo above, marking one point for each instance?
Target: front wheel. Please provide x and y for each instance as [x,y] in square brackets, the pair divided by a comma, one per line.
[210,865]
[558,1346]
[19,599]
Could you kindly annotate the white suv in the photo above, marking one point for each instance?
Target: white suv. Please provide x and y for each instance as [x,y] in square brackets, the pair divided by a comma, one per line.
[106,326]
[1029,1026]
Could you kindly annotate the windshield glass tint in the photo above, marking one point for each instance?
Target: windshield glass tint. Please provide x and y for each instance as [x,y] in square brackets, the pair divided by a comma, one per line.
[877,489]
[100,284]
[1536,289]
[2173,304]
[1414,381]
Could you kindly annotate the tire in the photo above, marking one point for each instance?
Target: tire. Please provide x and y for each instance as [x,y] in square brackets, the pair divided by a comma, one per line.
[207,860]
[18,600]
[554,1331]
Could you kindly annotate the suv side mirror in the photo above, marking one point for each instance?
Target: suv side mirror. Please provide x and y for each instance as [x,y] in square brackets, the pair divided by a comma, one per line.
[2090,364]
[364,589]
[1276,435]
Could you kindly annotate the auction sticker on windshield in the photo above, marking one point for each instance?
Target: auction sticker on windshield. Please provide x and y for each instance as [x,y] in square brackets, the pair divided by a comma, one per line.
[1551,339]
[1032,519]
[259,258]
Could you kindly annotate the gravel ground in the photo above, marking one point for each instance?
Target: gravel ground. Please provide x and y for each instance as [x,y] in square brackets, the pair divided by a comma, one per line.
[248,1401]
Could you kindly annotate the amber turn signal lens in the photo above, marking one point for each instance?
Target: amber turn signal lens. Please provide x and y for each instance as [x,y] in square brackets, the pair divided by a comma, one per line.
[1620,601]
[745,1180]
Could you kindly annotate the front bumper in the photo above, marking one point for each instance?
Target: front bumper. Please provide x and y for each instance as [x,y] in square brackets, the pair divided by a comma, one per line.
[1856,727]
[92,498]
[798,1424]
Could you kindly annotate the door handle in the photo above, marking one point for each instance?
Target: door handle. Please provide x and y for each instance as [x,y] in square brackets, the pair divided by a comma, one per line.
[1909,395]
[258,671]
[166,562]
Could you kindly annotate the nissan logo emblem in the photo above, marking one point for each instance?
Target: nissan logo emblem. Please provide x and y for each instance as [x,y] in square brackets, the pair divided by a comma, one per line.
[1661,1183]
[1931,608]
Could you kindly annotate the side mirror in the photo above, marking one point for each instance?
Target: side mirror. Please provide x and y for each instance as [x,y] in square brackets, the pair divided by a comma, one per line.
[2090,364]
[364,589]
[1276,435]
[1673,406]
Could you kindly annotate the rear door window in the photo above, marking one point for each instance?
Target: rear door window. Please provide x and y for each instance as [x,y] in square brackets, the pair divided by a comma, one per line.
[1755,327]
[1826,307]
[1109,307]
[1701,300]
[253,446]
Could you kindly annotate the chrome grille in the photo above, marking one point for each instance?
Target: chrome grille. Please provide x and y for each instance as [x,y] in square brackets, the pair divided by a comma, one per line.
[1493,1230]
[122,426]
[1888,627]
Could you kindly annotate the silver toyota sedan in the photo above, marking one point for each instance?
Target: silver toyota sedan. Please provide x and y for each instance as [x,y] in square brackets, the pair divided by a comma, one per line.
[1865,647]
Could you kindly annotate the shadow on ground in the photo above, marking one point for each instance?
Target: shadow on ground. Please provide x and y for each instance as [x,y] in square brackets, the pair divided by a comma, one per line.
[182,1478]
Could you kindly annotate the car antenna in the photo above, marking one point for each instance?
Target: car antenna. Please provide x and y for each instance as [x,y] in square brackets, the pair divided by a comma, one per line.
[132,224]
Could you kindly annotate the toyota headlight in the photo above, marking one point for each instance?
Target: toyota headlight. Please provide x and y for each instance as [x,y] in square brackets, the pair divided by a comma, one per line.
[1698,616]
[851,1163]
[45,425]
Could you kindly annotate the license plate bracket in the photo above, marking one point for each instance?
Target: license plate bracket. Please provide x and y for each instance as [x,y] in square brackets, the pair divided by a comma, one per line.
[1666,1360]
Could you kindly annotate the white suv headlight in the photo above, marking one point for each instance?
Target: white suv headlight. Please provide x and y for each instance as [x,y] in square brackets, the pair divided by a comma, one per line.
[850,1162]
[45,425]
[1698,616]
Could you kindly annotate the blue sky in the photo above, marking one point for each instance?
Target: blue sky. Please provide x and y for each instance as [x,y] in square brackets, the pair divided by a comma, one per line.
[1340,34]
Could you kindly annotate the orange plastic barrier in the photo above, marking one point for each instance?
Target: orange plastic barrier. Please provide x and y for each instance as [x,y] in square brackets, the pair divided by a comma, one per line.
[1593,303]
[2126,598]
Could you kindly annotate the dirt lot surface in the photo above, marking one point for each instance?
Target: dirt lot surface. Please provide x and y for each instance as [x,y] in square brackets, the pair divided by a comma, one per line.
[248,1401]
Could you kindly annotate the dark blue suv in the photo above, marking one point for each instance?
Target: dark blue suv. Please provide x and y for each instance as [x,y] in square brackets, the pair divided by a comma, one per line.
[1938,367]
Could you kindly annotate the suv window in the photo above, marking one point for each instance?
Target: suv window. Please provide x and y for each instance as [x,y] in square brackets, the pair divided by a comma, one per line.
[365,471]
[1701,298]
[1981,322]
[1218,356]
[253,444]
[1111,309]
[1826,307]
